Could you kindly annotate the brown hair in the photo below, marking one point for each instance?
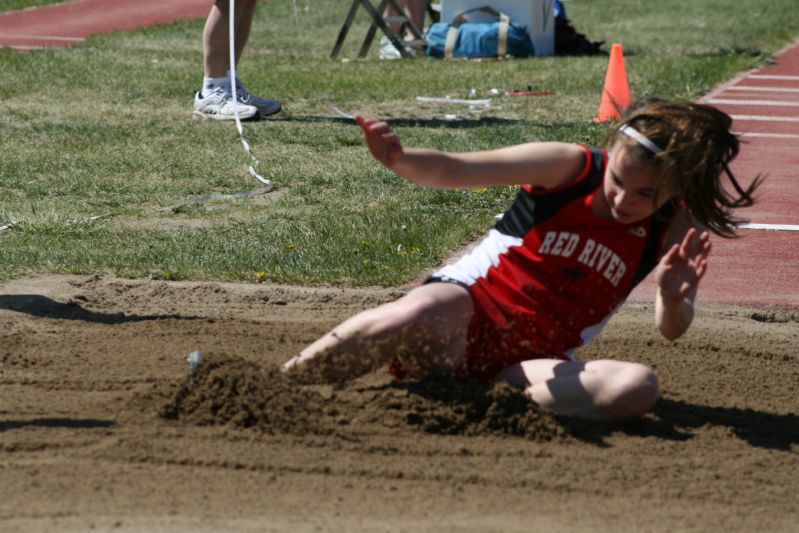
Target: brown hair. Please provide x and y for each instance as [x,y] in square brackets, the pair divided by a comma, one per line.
[697,147]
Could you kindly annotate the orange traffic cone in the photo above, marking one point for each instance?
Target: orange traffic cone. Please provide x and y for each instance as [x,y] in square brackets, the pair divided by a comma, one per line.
[616,93]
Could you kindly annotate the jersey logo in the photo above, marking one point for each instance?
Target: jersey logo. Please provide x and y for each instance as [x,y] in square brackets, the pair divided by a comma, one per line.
[594,255]
[638,231]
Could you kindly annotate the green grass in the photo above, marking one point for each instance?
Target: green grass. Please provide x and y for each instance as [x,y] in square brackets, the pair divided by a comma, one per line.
[104,128]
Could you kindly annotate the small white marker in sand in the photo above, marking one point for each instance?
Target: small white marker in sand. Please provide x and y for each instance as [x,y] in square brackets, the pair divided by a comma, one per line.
[194,359]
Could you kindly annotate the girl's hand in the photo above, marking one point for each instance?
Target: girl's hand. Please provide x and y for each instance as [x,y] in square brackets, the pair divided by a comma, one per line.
[383,143]
[681,268]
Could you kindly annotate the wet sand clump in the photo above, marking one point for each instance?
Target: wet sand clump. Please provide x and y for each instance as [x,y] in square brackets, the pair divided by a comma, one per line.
[232,391]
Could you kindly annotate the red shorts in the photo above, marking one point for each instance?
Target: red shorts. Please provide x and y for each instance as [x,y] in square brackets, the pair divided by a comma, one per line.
[491,348]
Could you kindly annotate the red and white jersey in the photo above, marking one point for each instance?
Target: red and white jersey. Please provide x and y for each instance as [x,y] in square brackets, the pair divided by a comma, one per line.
[551,273]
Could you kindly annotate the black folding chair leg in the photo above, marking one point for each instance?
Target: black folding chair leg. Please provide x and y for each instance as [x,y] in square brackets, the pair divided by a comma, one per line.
[345,28]
[379,22]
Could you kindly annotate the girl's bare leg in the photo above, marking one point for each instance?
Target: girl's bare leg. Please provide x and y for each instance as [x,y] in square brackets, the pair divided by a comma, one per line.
[426,329]
[415,10]
[603,389]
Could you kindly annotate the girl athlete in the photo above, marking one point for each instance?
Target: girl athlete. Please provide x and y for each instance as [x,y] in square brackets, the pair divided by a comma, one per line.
[587,225]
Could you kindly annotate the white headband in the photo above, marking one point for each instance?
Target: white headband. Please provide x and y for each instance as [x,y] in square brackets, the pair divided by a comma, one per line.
[642,140]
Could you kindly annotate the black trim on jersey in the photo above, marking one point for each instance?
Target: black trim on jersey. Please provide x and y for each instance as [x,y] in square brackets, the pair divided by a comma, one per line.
[446,279]
[530,209]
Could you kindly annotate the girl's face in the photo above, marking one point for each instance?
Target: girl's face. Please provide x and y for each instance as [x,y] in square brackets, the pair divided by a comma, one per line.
[630,187]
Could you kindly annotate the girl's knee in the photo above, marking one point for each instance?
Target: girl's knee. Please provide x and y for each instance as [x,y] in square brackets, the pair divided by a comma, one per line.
[634,391]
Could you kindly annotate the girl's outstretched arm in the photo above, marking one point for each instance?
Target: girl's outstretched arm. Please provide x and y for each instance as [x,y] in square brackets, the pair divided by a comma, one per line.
[678,275]
[546,164]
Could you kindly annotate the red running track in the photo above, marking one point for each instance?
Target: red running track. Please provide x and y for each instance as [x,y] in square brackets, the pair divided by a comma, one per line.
[761,268]
[71,22]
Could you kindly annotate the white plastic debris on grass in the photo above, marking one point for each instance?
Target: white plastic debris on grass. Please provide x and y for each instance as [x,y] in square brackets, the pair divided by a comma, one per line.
[476,106]
[472,103]
[194,359]
[8,226]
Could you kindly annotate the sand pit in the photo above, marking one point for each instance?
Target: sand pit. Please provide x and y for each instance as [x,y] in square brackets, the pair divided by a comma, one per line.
[102,424]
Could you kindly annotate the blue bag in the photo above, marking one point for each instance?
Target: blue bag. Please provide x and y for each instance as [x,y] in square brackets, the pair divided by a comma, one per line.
[479,39]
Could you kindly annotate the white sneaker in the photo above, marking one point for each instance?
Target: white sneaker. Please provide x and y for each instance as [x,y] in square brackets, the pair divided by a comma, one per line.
[388,50]
[219,105]
[265,106]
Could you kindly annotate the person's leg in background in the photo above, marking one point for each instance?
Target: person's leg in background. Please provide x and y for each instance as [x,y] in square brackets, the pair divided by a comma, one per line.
[415,10]
[215,99]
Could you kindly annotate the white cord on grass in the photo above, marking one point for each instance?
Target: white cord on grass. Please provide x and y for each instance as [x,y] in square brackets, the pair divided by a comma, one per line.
[341,113]
[247,148]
